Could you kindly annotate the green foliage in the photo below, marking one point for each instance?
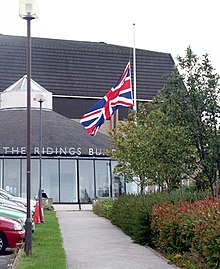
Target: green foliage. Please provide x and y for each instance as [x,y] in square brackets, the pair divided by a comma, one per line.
[103,207]
[170,154]
[190,100]
[150,150]
[48,208]
[189,227]
[131,214]
[130,143]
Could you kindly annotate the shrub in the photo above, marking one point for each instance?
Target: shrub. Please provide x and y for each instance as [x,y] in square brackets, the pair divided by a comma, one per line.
[189,227]
[131,214]
[166,231]
[103,207]
[206,220]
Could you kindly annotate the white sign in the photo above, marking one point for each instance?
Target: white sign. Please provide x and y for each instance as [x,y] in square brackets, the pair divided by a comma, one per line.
[54,151]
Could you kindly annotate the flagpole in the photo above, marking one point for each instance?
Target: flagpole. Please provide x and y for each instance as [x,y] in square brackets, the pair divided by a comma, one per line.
[134,70]
[115,120]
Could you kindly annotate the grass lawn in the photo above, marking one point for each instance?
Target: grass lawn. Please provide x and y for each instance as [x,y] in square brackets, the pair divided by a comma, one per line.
[47,250]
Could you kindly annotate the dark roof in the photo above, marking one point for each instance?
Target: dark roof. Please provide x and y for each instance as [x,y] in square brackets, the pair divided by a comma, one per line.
[58,132]
[81,68]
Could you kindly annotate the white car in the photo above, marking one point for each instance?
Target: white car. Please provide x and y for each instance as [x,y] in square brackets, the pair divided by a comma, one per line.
[4,201]
[13,198]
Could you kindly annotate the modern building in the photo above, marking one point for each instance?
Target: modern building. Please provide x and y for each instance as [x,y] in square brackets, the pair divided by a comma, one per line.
[72,75]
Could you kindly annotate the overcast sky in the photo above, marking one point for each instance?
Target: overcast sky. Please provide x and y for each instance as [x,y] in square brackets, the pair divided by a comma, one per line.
[161,25]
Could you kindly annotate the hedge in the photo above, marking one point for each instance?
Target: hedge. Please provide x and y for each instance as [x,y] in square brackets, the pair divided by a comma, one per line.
[132,213]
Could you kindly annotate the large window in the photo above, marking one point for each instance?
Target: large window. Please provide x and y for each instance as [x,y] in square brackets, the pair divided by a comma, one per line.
[12,176]
[34,178]
[118,187]
[68,179]
[50,178]
[102,175]
[86,181]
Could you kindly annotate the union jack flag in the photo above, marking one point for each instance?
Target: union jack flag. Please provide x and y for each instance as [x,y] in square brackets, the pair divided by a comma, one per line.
[119,96]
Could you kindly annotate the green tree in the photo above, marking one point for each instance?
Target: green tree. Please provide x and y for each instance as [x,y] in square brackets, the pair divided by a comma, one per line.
[130,149]
[150,150]
[170,152]
[191,100]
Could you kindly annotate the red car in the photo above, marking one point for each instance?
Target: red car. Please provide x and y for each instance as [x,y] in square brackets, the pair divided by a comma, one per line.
[11,234]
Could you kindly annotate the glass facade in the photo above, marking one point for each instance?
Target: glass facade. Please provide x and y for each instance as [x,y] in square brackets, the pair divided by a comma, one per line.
[11,176]
[119,186]
[66,180]
[86,181]
[102,175]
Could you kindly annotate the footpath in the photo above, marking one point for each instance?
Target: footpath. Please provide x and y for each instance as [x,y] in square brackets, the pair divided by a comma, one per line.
[92,242]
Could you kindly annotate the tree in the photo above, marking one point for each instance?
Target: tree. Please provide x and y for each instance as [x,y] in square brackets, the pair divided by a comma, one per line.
[130,149]
[152,151]
[170,152]
[191,100]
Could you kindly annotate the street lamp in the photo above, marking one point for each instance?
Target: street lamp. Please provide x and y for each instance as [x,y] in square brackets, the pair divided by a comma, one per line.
[28,11]
[40,98]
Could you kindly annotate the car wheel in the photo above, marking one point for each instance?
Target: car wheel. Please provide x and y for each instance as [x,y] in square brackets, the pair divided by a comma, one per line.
[3,243]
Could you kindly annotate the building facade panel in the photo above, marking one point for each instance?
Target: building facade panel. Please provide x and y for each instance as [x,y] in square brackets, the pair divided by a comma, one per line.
[65,180]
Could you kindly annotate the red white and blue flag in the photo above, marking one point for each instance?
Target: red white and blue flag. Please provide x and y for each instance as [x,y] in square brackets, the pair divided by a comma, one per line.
[118,97]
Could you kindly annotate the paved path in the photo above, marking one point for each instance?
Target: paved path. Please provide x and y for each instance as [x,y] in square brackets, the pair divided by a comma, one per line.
[91,242]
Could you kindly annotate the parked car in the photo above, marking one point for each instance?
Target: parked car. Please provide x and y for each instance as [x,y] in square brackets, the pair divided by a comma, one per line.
[4,200]
[11,234]
[12,197]
[15,214]
[14,207]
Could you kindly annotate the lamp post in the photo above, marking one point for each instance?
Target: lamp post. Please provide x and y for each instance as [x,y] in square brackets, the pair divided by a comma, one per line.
[40,98]
[28,11]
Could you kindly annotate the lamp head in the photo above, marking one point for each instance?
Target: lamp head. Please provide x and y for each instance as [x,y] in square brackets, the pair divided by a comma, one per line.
[40,97]
[28,9]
